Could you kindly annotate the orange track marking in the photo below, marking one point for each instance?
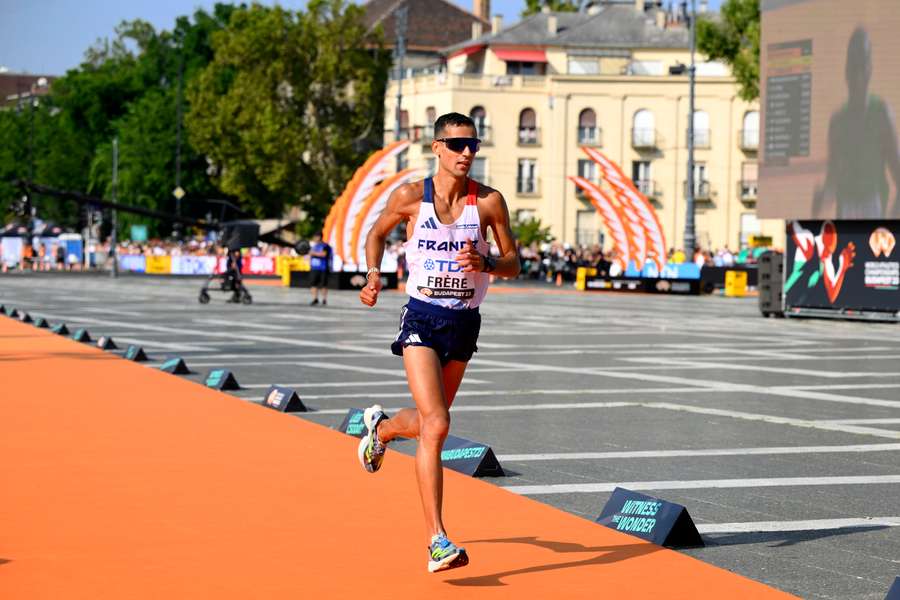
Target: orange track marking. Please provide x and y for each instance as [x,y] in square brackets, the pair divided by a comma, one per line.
[119,481]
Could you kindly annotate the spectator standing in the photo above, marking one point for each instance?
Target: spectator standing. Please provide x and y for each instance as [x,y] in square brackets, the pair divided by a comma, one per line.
[320,267]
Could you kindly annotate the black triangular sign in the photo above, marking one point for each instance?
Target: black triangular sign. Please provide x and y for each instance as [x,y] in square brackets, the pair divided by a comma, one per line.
[26,318]
[135,353]
[894,592]
[353,423]
[81,335]
[106,343]
[658,521]
[12,313]
[60,329]
[41,322]
[175,366]
[3,308]
[284,399]
[472,458]
[221,379]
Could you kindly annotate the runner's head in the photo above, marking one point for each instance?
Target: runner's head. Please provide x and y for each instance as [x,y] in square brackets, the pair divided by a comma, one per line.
[455,143]
[858,69]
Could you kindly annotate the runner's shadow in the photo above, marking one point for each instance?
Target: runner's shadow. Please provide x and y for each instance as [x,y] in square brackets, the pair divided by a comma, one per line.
[780,539]
[610,554]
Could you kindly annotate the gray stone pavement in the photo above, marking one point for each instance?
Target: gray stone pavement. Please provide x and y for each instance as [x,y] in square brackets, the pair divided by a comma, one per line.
[781,437]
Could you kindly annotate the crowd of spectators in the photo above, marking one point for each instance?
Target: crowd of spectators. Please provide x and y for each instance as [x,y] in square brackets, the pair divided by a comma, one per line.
[548,261]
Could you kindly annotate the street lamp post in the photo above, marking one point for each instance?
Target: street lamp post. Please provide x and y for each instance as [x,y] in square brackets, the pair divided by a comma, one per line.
[689,232]
[114,238]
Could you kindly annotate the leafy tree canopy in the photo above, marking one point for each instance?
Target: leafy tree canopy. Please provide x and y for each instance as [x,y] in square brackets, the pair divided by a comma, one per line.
[535,6]
[734,38]
[288,103]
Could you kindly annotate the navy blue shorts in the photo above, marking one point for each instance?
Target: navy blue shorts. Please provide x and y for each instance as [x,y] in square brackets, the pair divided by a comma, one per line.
[451,333]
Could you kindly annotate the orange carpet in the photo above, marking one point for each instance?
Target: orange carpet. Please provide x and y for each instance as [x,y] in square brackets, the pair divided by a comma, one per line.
[119,481]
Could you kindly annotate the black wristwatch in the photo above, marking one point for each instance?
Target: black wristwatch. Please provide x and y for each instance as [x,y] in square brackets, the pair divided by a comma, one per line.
[488,263]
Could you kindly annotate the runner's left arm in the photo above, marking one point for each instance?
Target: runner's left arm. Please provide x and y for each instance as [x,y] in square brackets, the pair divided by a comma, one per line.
[507,264]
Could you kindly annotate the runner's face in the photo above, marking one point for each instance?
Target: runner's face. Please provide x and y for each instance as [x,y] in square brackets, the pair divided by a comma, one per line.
[457,163]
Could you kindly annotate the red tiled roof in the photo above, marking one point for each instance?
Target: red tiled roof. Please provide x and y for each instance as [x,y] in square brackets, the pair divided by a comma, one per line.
[430,24]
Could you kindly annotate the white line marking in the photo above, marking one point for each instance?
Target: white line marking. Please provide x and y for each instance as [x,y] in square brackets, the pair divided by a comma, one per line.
[300,386]
[714,385]
[709,452]
[809,525]
[700,484]
[468,408]
[217,334]
[890,421]
[885,433]
[661,362]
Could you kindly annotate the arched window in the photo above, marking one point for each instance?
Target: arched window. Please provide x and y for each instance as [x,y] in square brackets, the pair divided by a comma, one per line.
[430,117]
[528,127]
[479,115]
[587,127]
[750,131]
[643,133]
[701,129]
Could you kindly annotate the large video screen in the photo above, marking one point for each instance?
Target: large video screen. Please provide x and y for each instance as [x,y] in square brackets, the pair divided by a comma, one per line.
[830,96]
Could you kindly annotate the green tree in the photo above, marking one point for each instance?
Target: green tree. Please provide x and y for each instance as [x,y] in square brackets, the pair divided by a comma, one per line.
[734,38]
[531,231]
[535,6]
[283,108]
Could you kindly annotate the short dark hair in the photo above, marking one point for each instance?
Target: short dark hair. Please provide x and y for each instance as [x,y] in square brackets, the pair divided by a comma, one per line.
[453,119]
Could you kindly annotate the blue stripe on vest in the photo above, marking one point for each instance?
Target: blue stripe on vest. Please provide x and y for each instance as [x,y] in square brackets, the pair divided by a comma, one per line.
[429,191]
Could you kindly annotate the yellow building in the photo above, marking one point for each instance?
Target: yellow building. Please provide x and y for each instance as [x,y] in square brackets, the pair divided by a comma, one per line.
[614,78]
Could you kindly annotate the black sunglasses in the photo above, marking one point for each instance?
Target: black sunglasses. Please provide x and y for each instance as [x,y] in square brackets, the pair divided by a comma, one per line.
[458,144]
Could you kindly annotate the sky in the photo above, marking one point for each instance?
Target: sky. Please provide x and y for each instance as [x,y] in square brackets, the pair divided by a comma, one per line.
[48,37]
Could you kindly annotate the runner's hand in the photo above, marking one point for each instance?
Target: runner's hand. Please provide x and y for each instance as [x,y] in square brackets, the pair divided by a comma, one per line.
[469,259]
[369,294]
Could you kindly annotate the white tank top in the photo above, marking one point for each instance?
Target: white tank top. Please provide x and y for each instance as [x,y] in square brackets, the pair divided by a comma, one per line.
[434,275]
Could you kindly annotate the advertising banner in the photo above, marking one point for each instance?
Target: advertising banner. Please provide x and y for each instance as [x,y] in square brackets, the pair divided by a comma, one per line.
[135,263]
[251,265]
[193,265]
[159,265]
[842,265]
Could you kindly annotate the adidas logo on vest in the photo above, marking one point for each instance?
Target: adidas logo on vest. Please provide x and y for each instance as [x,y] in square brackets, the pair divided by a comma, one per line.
[429,224]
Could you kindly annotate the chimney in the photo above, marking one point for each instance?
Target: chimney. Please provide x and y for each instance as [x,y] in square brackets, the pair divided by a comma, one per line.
[477,29]
[496,24]
[482,9]
[551,24]
[639,6]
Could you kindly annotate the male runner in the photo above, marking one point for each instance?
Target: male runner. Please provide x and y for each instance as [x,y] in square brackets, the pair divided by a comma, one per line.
[447,218]
[319,267]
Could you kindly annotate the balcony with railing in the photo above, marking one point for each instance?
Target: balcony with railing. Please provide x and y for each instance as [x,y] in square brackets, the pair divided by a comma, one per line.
[485,134]
[749,140]
[702,191]
[643,138]
[702,138]
[648,188]
[529,136]
[427,135]
[590,136]
[748,190]
[528,186]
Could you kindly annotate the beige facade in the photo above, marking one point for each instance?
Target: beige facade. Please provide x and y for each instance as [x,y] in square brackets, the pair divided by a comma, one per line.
[641,124]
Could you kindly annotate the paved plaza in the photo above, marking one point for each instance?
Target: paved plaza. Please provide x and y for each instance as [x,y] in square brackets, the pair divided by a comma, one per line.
[781,437]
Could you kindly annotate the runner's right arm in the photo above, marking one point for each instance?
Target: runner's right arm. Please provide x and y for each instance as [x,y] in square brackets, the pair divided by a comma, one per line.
[399,208]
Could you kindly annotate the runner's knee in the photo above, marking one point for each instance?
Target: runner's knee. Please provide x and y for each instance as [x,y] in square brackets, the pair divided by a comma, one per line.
[434,428]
